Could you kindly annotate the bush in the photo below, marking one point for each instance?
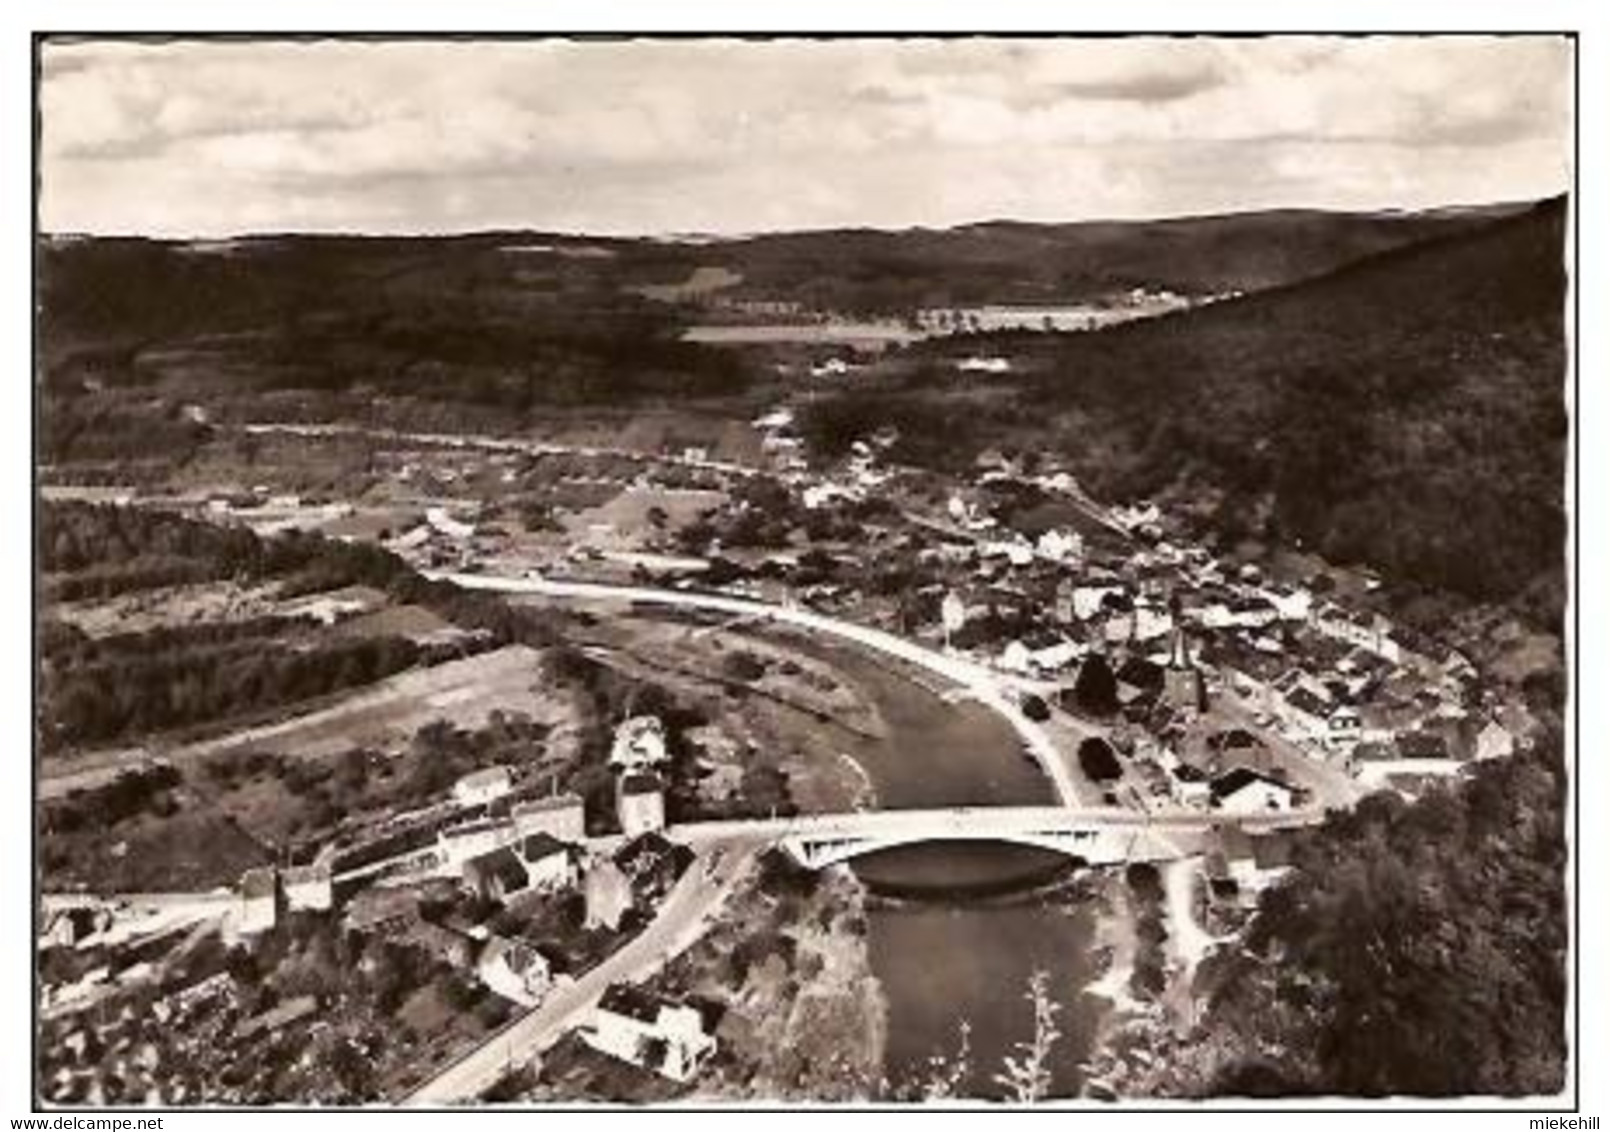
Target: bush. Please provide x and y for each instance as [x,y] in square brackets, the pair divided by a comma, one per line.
[744,667]
[1036,709]
[1097,760]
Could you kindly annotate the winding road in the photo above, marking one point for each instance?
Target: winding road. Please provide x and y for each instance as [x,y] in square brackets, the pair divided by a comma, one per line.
[995,690]
[683,918]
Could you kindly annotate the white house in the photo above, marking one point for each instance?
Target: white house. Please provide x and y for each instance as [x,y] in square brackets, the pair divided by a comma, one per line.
[984,365]
[1087,600]
[549,863]
[1367,631]
[639,744]
[1055,657]
[1292,603]
[819,495]
[640,804]
[630,1025]
[311,886]
[1247,791]
[1494,741]
[1015,657]
[514,970]
[1343,729]
[1016,551]
[457,844]
[483,786]
[257,909]
[1151,621]
[1137,516]
[775,421]
[608,893]
[1060,546]
[560,815]
[438,518]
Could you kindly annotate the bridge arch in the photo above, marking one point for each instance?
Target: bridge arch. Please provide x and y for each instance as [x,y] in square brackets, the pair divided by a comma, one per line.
[1088,846]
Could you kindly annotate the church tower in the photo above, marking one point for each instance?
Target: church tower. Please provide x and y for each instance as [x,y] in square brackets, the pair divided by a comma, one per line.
[1183,686]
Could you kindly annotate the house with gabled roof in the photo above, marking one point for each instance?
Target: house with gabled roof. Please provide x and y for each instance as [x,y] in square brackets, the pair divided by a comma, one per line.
[664,1037]
[1243,790]
[515,969]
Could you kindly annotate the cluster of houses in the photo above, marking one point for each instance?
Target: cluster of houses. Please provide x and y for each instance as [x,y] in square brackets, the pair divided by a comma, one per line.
[1038,597]
[426,887]
[510,849]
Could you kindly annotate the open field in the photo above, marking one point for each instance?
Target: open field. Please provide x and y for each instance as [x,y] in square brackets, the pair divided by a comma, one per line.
[167,606]
[627,515]
[462,692]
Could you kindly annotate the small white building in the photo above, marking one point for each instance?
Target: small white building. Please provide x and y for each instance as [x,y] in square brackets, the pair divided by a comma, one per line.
[979,364]
[1015,657]
[483,786]
[310,887]
[639,744]
[514,970]
[833,367]
[632,1026]
[775,421]
[1057,656]
[550,864]
[1087,600]
[1244,790]
[560,815]
[1060,546]
[1292,603]
[1494,741]
[1365,630]
[257,909]
[819,495]
[608,893]
[1134,517]
[457,844]
[1344,730]
[439,519]
[1018,552]
[640,804]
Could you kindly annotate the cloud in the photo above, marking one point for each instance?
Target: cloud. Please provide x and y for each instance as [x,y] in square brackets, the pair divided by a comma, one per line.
[642,135]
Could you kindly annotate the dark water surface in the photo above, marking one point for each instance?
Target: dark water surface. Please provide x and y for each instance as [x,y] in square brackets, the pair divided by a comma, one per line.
[941,961]
[938,753]
[956,929]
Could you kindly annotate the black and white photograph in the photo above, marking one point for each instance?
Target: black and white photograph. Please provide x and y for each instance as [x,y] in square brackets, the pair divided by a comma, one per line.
[736,570]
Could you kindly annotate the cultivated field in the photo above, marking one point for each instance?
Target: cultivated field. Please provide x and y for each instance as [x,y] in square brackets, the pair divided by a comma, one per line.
[381,718]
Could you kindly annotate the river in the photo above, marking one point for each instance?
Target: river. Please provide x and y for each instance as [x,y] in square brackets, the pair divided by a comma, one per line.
[956,930]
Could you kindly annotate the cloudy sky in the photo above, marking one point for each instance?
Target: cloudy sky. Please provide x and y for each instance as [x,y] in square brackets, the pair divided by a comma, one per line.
[207,138]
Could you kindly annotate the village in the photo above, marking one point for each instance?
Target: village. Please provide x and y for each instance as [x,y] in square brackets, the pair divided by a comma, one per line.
[1173,678]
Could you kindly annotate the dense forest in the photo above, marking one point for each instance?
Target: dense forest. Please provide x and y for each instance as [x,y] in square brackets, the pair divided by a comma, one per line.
[453,320]
[93,551]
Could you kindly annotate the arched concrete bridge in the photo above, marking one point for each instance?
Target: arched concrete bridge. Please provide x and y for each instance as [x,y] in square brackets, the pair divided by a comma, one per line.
[1094,836]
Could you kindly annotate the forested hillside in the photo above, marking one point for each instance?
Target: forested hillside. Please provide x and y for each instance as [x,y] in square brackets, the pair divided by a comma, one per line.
[1407,411]
[1418,949]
